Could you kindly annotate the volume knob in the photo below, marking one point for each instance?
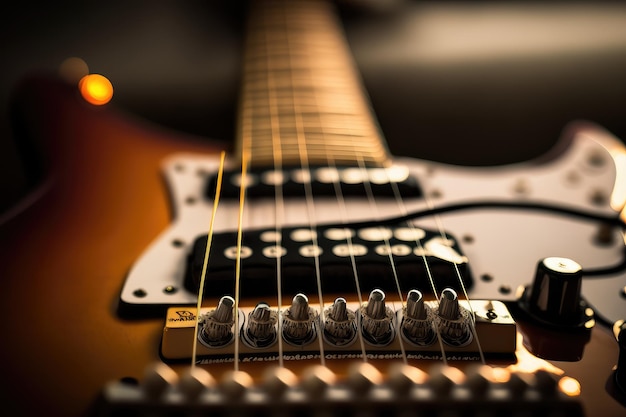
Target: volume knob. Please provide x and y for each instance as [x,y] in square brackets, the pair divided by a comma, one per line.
[554,296]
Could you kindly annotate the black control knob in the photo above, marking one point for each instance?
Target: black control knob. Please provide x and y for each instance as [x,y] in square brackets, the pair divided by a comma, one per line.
[554,296]
[557,320]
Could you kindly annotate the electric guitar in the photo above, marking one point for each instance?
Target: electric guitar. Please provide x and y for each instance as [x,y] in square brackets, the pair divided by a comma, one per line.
[333,278]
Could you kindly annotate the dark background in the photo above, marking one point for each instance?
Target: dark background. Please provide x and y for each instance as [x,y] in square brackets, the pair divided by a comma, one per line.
[473,83]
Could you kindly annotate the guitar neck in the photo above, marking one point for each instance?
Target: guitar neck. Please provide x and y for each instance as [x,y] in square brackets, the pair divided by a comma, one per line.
[302,102]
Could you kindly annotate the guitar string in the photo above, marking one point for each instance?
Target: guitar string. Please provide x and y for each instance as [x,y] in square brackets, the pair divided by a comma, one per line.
[400,203]
[351,250]
[445,238]
[310,205]
[246,156]
[392,263]
[279,203]
[343,212]
[242,196]
[441,230]
[349,243]
[205,263]
[402,207]
[457,271]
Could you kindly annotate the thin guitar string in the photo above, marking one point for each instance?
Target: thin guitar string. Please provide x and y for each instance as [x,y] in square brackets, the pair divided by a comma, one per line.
[339,193]
[205,263]
[308,190]
[392,263]
[348,234]
[436,217]
[445,238]
[246,154]
[398,196]
[279,201]
[242,196]
[343,214]
[340,198]
[418,242]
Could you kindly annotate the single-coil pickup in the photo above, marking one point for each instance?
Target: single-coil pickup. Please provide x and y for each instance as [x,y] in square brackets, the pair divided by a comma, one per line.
[383,182]
[379,253]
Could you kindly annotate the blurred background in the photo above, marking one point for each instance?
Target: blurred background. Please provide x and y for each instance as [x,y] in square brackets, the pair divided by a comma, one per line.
[465,82]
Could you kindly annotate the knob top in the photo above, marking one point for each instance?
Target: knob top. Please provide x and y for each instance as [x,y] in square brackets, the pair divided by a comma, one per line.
[562,266]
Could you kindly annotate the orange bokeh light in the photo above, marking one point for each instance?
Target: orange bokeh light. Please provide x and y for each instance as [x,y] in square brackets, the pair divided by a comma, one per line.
[96,89]
[569,386]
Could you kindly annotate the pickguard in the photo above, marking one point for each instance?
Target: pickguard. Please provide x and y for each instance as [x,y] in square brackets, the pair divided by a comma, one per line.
[503,245]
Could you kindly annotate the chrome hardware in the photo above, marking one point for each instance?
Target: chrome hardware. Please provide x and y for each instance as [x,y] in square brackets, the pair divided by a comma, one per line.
[217,325]
[260,329]
[417,320]
[339,324]
[300,324]
[377,320]
[299,321]
[453,320]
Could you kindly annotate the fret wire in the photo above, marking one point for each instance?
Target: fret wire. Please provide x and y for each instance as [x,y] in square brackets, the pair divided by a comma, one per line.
[260,108]
[281,49]
[262,125]
[291,146]
[293,71]
[284,63]
[314,150]
[326,83]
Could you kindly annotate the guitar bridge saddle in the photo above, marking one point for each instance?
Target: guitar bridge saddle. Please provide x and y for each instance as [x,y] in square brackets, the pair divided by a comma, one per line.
[216,325]
[388,328]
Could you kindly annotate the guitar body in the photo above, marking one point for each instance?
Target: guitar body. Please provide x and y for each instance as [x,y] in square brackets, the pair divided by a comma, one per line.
[100,226]
[68,248]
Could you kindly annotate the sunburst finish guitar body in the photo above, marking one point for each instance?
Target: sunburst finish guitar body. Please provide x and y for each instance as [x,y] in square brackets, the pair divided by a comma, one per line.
[363,284]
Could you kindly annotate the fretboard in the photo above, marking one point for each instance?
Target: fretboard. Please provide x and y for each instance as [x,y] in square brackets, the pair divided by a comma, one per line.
[302,102]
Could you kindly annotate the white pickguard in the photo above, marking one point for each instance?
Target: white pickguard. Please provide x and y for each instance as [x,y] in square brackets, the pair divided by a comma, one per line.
[503,246]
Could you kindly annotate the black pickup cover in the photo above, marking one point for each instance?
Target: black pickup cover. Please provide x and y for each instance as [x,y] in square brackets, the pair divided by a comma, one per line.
[406,187]
[258,271]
